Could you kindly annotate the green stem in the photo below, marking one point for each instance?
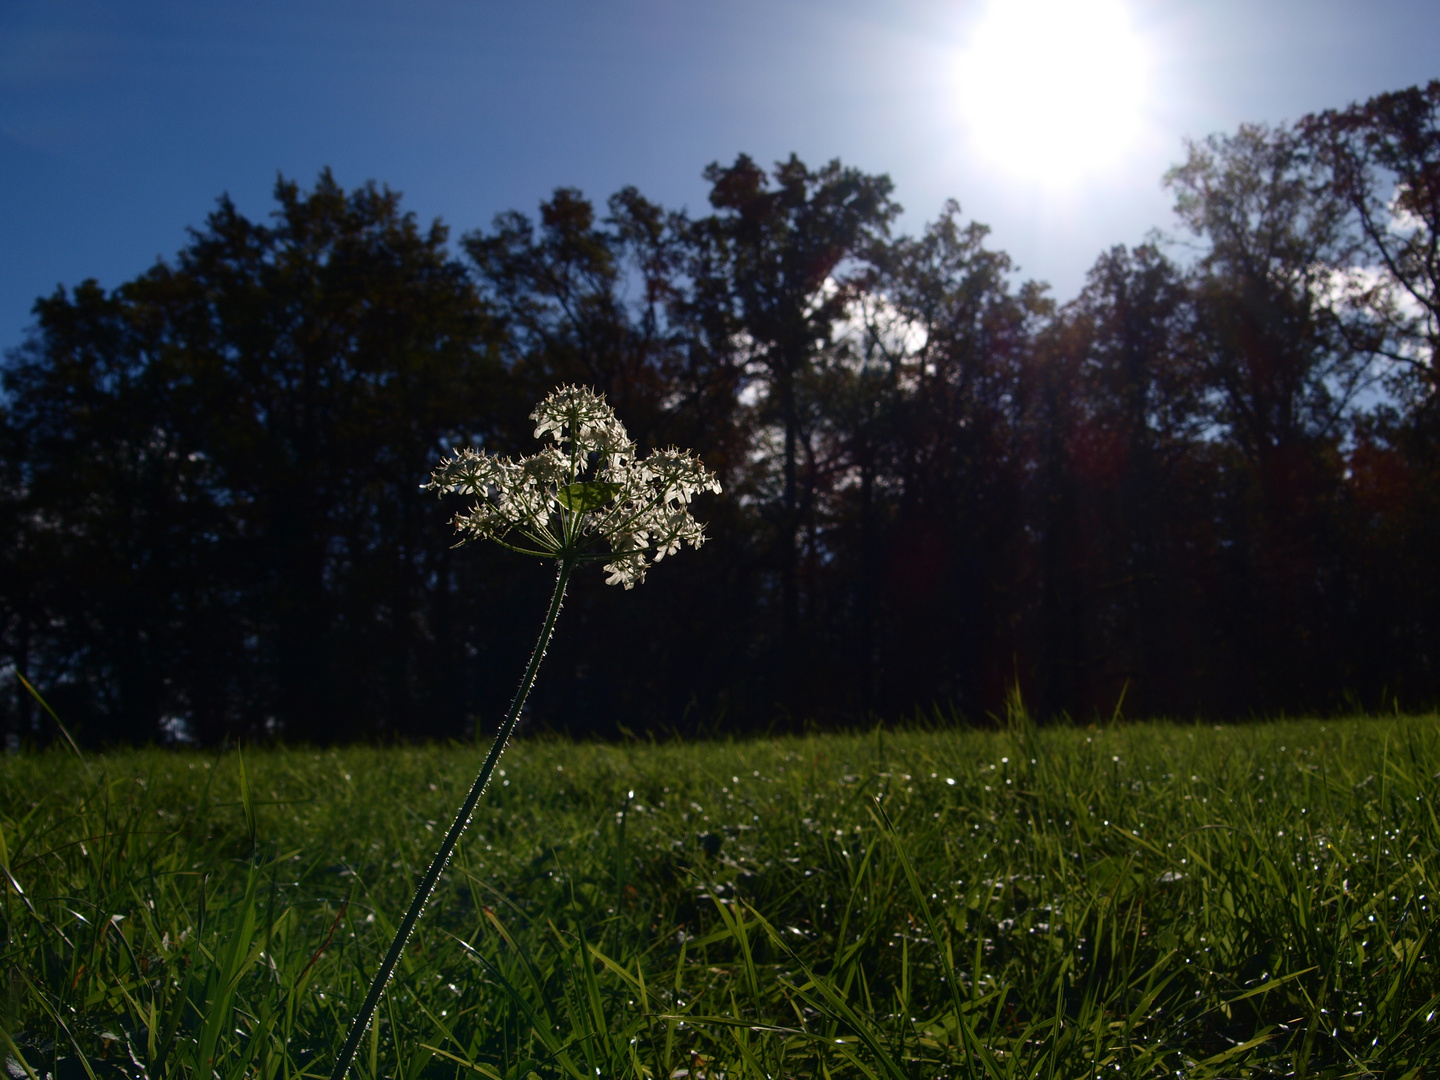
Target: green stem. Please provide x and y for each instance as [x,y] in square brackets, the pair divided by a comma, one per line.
[462,819]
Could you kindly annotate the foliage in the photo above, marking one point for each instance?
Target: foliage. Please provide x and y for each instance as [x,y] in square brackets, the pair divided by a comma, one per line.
[1130,900]
[1381,159]
[1208,485]
[215,474]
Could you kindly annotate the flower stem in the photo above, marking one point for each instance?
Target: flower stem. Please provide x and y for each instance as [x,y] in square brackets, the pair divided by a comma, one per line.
[462,818]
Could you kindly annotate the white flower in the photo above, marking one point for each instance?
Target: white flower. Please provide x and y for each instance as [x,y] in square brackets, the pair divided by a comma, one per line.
[577,415]
[541,505]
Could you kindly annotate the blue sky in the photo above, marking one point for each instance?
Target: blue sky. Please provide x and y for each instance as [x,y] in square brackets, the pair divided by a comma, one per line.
[120,123]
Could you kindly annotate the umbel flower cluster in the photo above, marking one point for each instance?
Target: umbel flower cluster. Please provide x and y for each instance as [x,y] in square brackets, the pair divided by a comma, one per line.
[628,513]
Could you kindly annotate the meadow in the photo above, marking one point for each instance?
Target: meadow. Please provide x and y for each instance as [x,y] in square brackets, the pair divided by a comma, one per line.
[1114,901]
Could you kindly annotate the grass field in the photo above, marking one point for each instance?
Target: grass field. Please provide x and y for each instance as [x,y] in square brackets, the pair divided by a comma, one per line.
[1135,900]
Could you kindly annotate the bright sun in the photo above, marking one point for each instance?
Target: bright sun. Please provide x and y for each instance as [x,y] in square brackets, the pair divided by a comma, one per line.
[1053,91]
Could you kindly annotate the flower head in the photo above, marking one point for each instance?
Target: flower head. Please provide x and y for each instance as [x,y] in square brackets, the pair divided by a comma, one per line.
[630,513]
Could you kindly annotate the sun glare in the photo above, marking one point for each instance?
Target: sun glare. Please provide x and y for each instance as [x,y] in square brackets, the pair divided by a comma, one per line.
[1053,91]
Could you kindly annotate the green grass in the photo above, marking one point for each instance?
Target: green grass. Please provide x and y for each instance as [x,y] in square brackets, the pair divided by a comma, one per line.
[1143,900]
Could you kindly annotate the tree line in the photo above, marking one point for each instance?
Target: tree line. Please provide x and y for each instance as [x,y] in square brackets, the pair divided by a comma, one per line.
[1208,485]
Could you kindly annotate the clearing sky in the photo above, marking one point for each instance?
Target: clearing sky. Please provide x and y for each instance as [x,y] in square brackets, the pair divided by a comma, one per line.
[1052,121]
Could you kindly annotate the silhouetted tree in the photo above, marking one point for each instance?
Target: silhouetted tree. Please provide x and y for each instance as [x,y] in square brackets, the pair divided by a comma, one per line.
[778,266]
[1382,160]
[219,470]
[1283,377]
[602,302]
[1141,468]
[957,334]
[1210,486]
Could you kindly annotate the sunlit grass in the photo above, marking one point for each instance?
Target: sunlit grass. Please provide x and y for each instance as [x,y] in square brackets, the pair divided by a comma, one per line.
[1131,901]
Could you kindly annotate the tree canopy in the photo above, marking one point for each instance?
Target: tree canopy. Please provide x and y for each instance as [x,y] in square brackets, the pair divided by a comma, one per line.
[1208,484]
